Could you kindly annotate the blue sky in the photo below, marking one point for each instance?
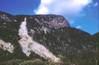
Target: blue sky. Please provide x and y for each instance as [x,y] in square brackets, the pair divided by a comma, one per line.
[82,14]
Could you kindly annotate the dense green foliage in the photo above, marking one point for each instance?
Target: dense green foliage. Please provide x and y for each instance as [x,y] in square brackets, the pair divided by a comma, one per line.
[64,44]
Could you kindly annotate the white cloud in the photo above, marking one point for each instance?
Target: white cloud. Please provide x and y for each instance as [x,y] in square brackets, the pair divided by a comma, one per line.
[79,27]
[96,4]
[63,7]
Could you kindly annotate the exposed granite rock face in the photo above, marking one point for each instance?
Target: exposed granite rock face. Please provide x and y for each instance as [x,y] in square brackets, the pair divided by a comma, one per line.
[44,23]
[50,21]
[54,32]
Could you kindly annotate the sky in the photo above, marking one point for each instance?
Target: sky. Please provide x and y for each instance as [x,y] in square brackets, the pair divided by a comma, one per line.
[81,14]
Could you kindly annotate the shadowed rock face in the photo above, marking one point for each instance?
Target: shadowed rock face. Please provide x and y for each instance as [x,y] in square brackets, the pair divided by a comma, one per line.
[50,21]
[44,23]
[52,31]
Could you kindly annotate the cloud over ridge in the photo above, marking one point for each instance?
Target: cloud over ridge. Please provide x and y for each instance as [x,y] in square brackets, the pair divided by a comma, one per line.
[62,6]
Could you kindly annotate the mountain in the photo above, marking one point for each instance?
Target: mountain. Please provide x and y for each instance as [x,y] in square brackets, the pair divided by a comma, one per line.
[73,46]
[96,36]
